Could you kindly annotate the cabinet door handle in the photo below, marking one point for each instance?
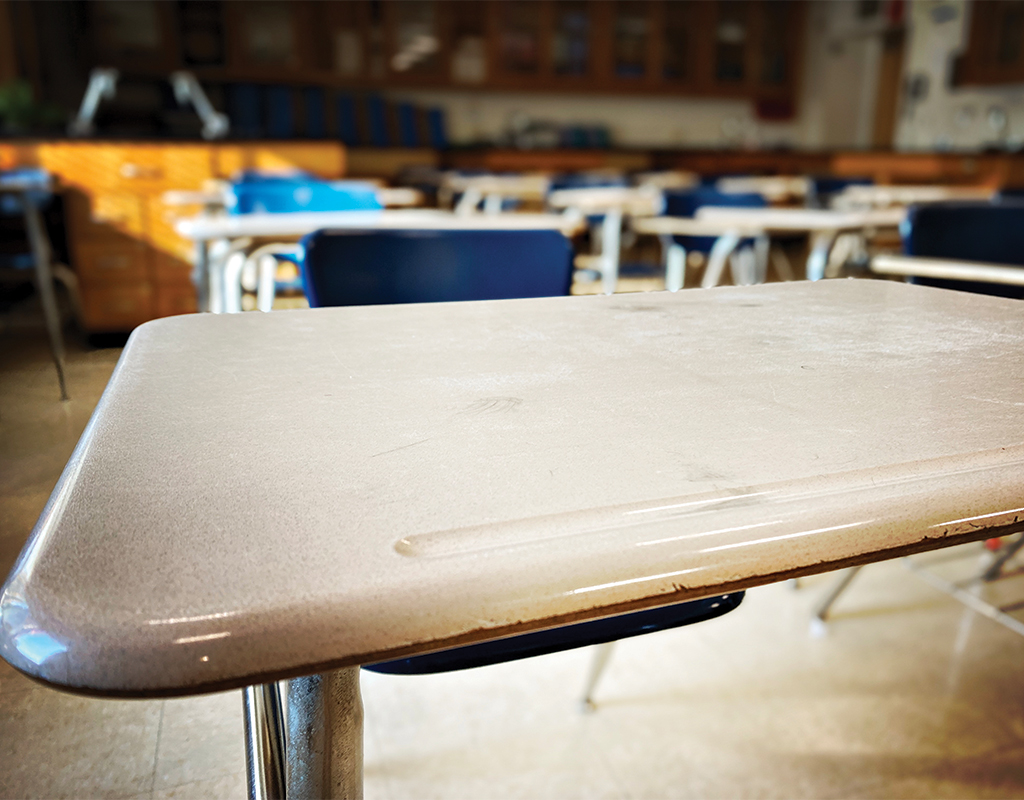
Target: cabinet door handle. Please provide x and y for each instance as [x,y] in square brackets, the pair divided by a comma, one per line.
[129,170]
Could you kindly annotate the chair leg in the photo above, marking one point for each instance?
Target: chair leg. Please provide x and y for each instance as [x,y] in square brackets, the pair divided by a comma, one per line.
[63,275]
[44,283]
[1008,552]
[780,261]
[266,288]
[717,258]
[817,260]
[675,267]
[821,611]
[598,664]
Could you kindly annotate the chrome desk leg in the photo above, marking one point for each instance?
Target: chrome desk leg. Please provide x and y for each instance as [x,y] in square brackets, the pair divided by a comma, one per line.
[602,653]
[44,278]
[325,736]
[264,742]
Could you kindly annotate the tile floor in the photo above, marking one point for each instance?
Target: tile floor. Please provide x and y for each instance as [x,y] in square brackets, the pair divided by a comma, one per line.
[909,695]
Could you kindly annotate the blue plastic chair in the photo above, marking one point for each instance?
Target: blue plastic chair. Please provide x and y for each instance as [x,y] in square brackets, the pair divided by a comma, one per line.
[684,203]
[29,192]
[260,192]
[245,110]
[280,112]
[437,129]
[343,268]
[971,231]
[348,128]
[316,112]
[374,267]
[823,188]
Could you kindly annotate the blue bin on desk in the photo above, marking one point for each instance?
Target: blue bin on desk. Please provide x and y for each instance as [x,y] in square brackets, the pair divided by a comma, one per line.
[284,195]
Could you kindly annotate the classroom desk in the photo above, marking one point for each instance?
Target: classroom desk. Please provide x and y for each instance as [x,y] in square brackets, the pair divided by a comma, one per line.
[269,496]
[493,189]
[774,188]
[227,228]
[611,204]
[823,226]
[861,197]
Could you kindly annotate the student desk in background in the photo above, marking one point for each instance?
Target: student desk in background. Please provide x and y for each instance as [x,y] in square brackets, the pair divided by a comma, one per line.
[269,496]
[225,228]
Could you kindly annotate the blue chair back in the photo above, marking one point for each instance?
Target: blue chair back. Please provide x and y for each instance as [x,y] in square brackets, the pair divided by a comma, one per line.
[245,109]
[685,202]
[408,125]
[287,194]
[316,112]
[586,180]
[972,231]
[377,121]
[280,112]
[15,250]
[437,129]
[823,188]
[348,128]
[375,267]
[31,176]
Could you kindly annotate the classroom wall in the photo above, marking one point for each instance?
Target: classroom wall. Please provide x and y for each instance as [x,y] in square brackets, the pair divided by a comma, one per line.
[631,121]
[949,118]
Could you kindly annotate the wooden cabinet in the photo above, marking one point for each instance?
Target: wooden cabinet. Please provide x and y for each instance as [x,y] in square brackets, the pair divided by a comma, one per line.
[703,47]
[131,264]
[995,49]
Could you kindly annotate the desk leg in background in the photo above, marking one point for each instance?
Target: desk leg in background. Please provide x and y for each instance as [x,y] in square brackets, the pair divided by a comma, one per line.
[611,240]
[44,279]
[325,736]
[201,275]
[817,260]
[720,251]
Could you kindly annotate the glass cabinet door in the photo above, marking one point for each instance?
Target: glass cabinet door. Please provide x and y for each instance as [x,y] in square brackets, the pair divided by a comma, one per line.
[631,38]
[731,36]
[776,20]
[570,40]
[416,48]
[469,42]
[677,41]
[267,33]
[518,37]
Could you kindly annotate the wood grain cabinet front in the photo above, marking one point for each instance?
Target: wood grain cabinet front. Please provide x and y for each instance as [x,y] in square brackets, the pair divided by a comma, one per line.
[116,307]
